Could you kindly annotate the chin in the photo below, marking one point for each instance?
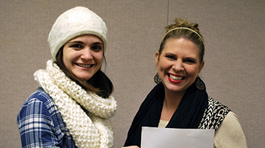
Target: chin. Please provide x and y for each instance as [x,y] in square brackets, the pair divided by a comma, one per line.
[83,78]
[174,88]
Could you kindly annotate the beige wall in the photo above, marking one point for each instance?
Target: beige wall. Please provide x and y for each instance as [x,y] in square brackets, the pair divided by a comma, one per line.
[235,48]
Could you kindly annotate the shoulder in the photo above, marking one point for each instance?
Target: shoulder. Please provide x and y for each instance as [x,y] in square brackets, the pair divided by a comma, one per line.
[39,95]
[214,114]
[230,119]
[38,102]
[39,109]
[39,117]
[230,133]
[157,93]
[218,106]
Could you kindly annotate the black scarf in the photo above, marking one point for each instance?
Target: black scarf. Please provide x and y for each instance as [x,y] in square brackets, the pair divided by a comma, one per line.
[188,114]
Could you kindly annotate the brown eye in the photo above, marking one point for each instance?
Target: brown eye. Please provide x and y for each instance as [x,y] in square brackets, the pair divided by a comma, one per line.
[171,57]
[190,61]
[96,47]
[76,46]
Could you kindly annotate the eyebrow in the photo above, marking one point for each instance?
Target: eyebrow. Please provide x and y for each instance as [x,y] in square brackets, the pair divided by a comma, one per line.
[76,42]
[98,43]
[80,42]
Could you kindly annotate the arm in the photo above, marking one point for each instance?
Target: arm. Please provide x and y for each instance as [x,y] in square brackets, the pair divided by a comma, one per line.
[35,125]
[230,133]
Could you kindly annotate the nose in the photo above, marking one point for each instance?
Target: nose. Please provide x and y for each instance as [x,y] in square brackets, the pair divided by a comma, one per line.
[86,54]
[178,66]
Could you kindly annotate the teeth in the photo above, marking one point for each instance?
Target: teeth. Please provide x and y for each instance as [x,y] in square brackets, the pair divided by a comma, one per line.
[175,77]
[86,66]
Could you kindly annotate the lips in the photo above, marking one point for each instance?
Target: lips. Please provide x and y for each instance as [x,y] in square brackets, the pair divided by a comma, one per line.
[85,65]
[175,78]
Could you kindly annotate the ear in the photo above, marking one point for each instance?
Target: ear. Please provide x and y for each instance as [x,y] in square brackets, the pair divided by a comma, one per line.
[157,58]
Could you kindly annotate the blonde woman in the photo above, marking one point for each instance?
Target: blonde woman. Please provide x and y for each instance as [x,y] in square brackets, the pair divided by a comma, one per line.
[180,100]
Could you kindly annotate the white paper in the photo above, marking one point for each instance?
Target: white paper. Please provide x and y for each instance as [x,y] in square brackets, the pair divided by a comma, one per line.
[153,137]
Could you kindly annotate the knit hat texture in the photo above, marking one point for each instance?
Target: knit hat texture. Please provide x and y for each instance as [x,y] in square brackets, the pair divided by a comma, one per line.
[75,22]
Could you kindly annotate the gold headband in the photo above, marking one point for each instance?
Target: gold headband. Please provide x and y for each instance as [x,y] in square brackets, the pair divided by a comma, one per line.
[177,28]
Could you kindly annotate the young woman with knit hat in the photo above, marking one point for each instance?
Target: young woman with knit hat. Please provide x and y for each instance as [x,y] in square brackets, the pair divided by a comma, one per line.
[73,103]
[180,100]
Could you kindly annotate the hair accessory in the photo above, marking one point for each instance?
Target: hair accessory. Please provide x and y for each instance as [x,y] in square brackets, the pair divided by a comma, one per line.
[185,28]
[157,79]
[75,22]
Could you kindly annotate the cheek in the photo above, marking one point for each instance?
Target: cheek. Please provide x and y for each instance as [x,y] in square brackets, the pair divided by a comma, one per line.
[65,56]
[99,57]
[67,63]
[159,67]
[164,65]
[194,71]
[66,59]
[69,57]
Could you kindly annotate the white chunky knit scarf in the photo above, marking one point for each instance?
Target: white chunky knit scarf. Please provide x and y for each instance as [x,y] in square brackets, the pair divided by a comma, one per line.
[90,128]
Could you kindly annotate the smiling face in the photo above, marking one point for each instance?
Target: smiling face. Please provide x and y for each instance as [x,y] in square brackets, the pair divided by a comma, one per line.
[178,64]
[83,56]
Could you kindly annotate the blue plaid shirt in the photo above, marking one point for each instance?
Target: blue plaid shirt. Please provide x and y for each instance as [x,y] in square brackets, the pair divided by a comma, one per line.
[41,125]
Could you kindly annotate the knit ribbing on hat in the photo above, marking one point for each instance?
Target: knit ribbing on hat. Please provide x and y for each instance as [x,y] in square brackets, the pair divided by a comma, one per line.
[73,23]
[89,124]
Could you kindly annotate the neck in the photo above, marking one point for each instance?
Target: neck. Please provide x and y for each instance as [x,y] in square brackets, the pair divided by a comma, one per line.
[172,99]
[171,103]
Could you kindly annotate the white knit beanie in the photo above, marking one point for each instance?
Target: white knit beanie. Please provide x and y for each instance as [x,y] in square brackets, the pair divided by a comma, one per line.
[75,22]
